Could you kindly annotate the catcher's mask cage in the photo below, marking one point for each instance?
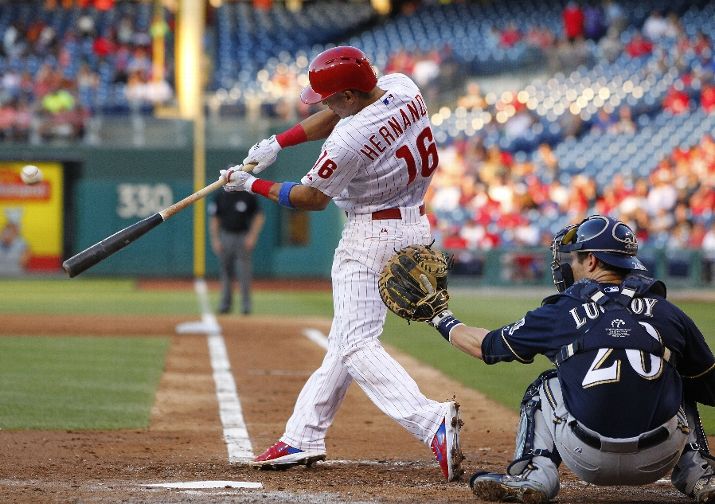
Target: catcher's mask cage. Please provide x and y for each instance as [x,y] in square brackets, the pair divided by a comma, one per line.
[610,240]
[336,70]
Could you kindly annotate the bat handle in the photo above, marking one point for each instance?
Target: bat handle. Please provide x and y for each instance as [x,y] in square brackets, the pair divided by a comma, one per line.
[180,205]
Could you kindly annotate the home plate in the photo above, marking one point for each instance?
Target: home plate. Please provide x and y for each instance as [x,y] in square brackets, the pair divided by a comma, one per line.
[207,484]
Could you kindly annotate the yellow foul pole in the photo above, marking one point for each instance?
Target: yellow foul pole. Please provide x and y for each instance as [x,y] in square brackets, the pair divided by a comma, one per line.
[158,31]
[189,84]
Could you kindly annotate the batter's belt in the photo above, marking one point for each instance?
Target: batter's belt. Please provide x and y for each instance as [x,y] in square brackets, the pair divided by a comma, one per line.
[390,213]
[620,445]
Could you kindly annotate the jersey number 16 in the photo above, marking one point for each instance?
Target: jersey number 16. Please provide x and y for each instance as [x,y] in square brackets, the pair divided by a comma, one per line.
[427,149]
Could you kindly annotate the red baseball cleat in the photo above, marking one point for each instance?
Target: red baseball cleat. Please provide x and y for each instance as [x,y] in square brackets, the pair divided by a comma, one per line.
[445,444]
[283,456]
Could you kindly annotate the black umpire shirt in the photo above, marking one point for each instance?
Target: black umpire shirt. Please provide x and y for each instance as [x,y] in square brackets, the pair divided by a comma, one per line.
[235,210]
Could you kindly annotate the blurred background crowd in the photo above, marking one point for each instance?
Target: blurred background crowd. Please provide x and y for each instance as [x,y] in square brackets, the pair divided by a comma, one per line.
[544,111]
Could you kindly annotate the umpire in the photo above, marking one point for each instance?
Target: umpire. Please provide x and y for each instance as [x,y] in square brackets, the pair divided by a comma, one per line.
[236,221]
[620,407]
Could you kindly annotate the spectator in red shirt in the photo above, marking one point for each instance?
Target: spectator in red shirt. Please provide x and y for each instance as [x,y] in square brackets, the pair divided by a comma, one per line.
[639,46]
[510,35]
[402,62]
[676,101]
[608,202]
[540,36]
[7,121]
[103,46]
[702,43]
[573,18]
[707,98]
[104,5]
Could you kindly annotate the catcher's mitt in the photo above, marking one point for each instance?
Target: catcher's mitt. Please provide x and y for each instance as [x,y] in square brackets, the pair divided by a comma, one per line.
[413,283]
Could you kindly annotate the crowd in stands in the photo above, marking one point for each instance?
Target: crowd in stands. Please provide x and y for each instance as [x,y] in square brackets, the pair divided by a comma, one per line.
[486,196]
[483,198]
[560,44]
[63,64]
[58,67]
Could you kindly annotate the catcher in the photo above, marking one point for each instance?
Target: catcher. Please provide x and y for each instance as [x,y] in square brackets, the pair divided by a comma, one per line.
[620,406]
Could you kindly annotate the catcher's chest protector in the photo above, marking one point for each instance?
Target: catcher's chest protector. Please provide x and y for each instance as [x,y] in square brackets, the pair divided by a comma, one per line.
[610,322]
[616,362]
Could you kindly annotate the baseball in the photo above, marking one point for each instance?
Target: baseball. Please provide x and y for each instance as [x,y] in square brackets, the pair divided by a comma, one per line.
[30,174]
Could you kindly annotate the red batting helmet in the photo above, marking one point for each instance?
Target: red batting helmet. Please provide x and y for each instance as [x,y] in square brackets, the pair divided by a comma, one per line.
[338,69]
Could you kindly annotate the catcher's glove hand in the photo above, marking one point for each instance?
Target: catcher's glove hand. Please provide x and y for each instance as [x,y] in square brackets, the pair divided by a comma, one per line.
[413,283]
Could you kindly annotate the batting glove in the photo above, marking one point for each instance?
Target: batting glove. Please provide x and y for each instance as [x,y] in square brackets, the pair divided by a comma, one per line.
[237,179]
[264,154]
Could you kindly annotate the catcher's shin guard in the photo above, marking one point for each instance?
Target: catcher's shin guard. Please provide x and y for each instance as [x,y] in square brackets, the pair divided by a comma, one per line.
[695,462]
[536,458]
[526,443]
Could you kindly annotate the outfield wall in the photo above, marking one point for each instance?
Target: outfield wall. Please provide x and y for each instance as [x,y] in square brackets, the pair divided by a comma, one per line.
[109,188]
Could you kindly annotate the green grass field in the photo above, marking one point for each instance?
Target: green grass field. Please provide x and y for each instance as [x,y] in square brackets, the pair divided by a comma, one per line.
[78,382]
[57,382]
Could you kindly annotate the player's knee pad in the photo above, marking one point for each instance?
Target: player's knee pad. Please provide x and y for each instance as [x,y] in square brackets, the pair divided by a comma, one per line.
[526,448]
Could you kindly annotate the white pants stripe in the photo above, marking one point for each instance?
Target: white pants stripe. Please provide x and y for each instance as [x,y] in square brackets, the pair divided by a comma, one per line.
[354,348]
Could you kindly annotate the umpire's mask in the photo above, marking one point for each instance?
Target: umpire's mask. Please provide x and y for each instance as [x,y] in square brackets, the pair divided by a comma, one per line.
[610,240]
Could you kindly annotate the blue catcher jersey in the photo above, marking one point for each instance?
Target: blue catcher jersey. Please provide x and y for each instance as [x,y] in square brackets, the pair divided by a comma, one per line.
[616,361]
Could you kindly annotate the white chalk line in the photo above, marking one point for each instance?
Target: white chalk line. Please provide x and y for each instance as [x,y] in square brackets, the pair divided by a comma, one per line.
[575,484]
[235,433]
[206,484]
[316,337]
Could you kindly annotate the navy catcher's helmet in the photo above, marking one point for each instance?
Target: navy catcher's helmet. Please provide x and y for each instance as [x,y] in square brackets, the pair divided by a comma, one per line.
[610,240]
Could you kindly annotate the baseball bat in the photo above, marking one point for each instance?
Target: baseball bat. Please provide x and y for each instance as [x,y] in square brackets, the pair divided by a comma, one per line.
[101,250]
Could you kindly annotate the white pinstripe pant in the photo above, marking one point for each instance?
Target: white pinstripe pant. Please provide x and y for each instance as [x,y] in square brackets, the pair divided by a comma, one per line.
[354,349]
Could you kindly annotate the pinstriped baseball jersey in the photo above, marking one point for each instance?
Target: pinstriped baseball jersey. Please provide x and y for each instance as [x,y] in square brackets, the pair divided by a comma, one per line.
[383,156]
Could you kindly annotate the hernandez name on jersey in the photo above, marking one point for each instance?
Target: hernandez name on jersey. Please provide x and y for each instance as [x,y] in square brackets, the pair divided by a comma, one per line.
[383,156]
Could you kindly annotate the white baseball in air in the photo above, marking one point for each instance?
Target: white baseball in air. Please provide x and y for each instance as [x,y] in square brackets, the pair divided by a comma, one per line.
[30,174]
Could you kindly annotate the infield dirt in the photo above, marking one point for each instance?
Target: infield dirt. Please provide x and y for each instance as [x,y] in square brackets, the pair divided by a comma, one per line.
[370,458]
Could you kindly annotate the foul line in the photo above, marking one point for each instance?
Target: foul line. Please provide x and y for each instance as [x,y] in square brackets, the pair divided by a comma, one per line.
[206,484]
[316,337]
[235,433]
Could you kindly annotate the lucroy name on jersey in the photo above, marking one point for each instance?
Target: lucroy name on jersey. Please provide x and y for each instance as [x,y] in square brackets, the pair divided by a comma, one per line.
[591,311]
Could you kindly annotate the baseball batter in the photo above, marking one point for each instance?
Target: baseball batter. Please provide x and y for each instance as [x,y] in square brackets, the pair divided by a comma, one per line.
[376,165]
[620,407]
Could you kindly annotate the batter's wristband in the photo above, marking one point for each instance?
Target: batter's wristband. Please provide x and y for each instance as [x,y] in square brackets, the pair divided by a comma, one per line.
[284,194]
[292,136]
[261,187]
[446,325]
